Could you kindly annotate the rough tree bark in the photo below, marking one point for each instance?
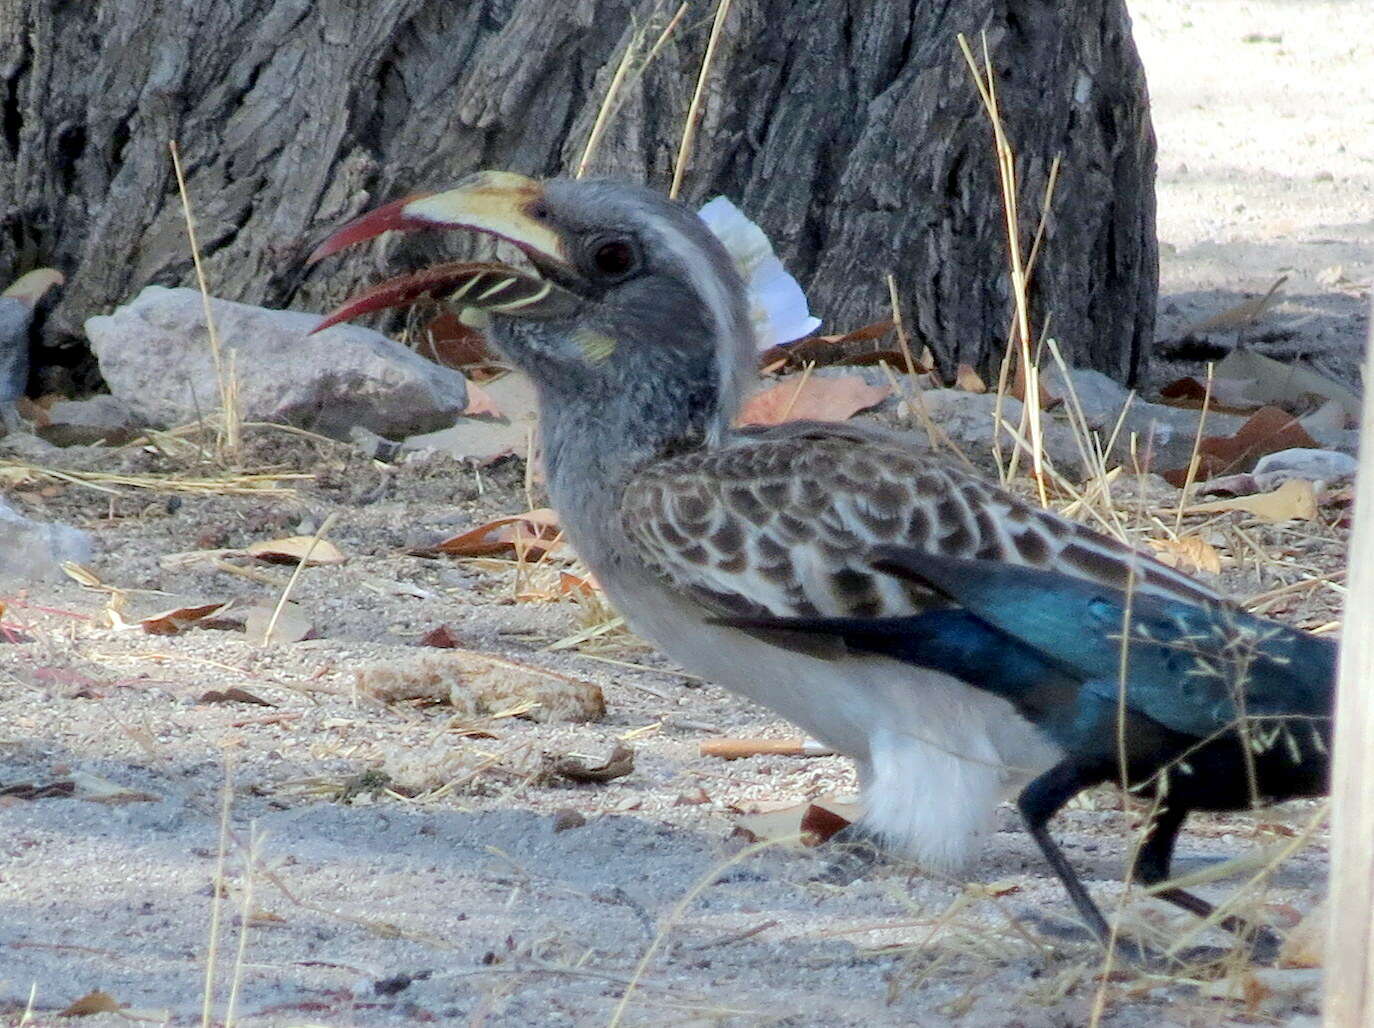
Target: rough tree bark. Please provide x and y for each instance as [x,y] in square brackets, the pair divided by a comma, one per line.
[849,129]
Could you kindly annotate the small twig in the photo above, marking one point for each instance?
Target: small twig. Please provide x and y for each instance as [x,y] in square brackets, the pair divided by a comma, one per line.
[619,81]
[689,128]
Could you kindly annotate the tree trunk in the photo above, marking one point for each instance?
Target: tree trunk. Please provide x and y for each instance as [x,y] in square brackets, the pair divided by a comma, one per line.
[850,130]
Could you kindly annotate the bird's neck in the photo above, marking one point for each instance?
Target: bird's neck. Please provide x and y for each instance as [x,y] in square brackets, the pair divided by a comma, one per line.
[597,434]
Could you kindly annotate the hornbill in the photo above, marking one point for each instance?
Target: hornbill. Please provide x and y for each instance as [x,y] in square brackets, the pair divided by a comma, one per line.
[631,320]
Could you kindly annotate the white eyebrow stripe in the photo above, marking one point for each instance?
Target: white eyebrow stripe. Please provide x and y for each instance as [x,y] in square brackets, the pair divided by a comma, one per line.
[732,335]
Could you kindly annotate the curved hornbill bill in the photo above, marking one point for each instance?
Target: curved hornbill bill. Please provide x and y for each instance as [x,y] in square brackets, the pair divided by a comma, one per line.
[788,563]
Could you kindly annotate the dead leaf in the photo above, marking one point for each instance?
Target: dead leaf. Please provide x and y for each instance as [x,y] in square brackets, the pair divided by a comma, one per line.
[170,622]
[806,824]
[812,399]
[1305,945]
[570,584]
[440,637]
[579,768]
[1269,430]
[480,403]
[1246,381]
[293,625]
[1228,395]
[233,695]
[297,549]
[1240,316]
[1190,553]
[102,790]
[860,347]
[969,380]
[1287,384]
[94,1002]
[31,791]
[448,341]
[29,288]
[527,536]
[1295,500]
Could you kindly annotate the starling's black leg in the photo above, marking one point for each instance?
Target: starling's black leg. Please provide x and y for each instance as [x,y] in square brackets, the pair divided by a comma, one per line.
[1041,800]
[1152,866]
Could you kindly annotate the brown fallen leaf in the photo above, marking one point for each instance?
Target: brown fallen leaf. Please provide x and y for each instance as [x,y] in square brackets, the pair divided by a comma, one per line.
[1295,500]
[233,695]
[860,347]
[441,637]
[1228,395]
[799,824]
[1305,945]
[170,622]
[969,380]
[1269,430]
[297,549]
[812,399]
[527,536]
[480,403]
[31,791]
[94,1002]
[579,768]
[1190,553]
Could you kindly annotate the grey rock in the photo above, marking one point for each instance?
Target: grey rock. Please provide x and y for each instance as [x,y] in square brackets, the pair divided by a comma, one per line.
[968,419]
[32,551]
[1314,465]
[1101,398]
[15,316]
[155,355]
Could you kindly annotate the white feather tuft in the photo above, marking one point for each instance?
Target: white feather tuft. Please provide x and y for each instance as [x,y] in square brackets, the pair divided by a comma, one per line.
[777,304]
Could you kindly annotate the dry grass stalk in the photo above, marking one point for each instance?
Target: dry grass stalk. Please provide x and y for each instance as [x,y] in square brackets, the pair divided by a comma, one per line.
[1027,371]
[295,575]
[217,892]
[1195,458]
[707,880]
[689,127]
[255,484]
[226,374]
[621,80]
[1349,998]
[245,920]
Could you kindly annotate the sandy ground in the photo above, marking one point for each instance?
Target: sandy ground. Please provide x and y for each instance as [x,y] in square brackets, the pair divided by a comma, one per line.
[487,902]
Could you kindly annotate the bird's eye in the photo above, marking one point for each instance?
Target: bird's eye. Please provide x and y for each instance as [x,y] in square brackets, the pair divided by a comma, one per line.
[614,258]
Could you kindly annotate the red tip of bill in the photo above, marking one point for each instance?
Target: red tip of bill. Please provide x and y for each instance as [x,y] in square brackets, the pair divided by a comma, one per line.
[370,225]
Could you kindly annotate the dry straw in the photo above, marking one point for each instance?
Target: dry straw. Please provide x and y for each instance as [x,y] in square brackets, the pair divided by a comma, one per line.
[226,374]
[689,128]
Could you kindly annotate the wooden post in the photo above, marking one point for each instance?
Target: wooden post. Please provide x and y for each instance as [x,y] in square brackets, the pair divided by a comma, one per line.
[1350,940]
